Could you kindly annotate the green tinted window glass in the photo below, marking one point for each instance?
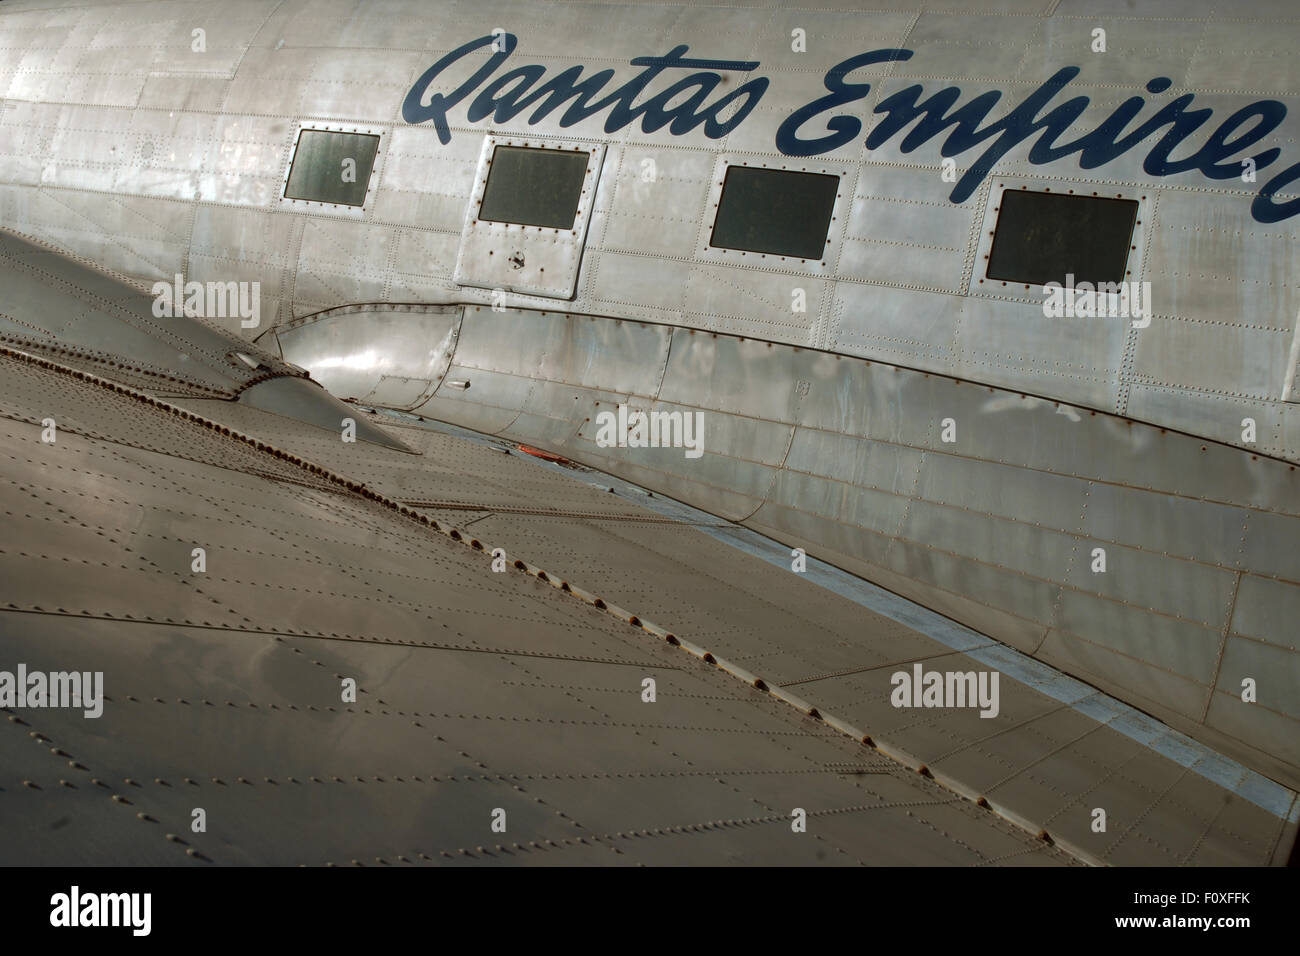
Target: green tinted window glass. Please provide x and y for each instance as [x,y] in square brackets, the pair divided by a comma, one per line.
[1043,237]
[775,211]
[534,187]
[332,167]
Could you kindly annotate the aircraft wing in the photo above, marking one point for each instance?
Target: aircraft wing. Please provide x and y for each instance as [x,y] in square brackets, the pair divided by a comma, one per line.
[428,645]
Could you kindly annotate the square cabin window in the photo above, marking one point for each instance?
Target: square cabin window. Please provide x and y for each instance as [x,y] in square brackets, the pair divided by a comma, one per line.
[775,211]
[534,187]
[331,167]
[1043,237]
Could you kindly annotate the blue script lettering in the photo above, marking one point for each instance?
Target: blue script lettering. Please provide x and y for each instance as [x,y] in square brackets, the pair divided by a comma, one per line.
[686,105]
[512,94]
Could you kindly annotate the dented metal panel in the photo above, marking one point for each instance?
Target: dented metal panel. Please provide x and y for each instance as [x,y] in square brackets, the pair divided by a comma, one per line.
[515,257]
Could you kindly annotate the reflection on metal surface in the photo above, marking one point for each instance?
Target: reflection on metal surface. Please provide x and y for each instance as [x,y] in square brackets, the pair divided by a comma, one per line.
[75,314]
[1272,797]
[441,658]
[337,344]
[996,528]
[430,697]
[307,402]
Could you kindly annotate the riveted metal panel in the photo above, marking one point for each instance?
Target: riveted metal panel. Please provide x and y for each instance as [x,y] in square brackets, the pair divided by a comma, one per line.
[633,286]
[1217,417]
[1200,531]
[1149,686]
[1010,342]
[706,251]
[1143,49]
[103,321]
[730,375]
[864,464]
[951,581]
[1248,361]
[904,240]
[746,449]
[857,508]
[850,545]
[1031,289]
[1273,670]
[1222,274]
[473,691]
[1267,610]
[1006,544]
[1184,647]
[1072,441]
[306,401]
[1190,275]
[1196,592]
[1232,716]
[342,258]
[970,522]
[869,400]
[316,177]
[655,198]
[515,257]
[616,356]
[1051,501]
[764,305]
[453,406]
[492,389]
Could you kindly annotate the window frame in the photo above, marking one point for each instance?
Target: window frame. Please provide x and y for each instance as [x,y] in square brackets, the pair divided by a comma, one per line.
[578,201]
[977,281]
[339,209]
[771,261]
[746,168]
[1071,196]
[551,257]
